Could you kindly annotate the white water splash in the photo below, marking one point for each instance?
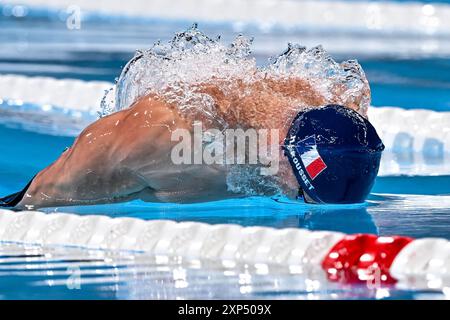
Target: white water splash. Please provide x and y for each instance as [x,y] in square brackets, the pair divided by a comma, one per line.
[173,70]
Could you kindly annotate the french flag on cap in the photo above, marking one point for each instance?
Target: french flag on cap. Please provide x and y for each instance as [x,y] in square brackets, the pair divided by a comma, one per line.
[313,162]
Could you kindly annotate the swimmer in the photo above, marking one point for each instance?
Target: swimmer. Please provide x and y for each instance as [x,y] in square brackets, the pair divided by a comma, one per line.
[329,153]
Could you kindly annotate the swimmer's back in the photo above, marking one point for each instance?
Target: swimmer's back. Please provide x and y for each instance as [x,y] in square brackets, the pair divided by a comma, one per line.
[147,137]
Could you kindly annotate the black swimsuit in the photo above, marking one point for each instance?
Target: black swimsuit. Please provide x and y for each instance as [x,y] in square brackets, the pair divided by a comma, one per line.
[13,199]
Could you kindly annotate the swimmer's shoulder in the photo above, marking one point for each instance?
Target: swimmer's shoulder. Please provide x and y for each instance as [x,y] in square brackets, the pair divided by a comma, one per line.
[155,109]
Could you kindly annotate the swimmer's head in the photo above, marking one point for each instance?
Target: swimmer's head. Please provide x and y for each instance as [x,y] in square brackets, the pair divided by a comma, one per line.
[334,153]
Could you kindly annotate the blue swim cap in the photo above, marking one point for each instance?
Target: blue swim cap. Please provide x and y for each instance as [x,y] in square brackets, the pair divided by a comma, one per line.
[335,154]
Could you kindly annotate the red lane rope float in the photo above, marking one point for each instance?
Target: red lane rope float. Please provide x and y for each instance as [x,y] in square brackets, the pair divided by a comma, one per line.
[363,258]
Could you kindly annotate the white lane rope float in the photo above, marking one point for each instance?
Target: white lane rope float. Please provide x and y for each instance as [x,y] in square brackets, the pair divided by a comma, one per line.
[369,16]
[386,29]
[67,106]
[344,258]
[74,94]
[50,106]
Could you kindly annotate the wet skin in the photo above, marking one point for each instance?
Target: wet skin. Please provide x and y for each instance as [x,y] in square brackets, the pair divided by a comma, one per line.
[127,155]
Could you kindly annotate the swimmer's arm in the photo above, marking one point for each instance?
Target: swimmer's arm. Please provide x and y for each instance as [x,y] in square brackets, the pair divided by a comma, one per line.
[86,173]
[100,167]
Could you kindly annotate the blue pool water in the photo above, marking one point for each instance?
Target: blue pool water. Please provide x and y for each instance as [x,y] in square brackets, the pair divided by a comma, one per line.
[396,206]
[415,206]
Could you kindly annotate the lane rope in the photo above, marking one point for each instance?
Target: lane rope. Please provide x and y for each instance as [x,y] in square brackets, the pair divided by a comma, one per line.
[344,258]
[382,17]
